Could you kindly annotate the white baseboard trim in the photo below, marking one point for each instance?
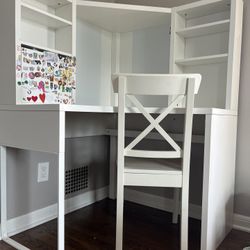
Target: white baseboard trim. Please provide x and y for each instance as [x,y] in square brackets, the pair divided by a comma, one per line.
[241,223]
[40,216]
[159,202]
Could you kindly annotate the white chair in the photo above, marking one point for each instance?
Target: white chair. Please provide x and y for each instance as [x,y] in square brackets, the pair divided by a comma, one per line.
[149,168]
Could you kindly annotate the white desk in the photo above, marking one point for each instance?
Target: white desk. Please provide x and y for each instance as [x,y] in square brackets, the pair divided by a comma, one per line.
[50,121]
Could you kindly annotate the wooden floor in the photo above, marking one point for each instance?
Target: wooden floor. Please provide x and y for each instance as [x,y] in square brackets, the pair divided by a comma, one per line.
[145,228]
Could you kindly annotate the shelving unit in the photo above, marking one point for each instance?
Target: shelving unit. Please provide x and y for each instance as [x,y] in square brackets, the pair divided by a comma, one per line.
[202,38]
[47,24]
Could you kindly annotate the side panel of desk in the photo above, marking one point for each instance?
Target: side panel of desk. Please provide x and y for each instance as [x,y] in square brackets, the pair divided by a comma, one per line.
[31,130]
[218,179]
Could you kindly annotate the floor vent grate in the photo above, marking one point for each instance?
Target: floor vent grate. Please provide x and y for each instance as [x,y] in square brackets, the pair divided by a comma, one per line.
[76,179]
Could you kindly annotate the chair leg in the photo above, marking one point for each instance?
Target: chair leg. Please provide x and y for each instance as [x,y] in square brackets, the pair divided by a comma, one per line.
[119,216]
[176,203]
[184,219]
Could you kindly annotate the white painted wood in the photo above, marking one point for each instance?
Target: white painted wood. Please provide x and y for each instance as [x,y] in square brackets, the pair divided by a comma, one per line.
[235,39]
[145,172]
[205,33]
[202,60]
[169,84]
[48,26]
[61,184]
[155,136]
[121,17]
[17,130]
[3,156]
[218,179]
[120,163]
[204,29]
[186,163]
[36,15]
[110,109]
[55,3]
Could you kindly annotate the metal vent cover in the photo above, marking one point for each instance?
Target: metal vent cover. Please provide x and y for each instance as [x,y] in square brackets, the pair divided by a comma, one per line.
[76,179]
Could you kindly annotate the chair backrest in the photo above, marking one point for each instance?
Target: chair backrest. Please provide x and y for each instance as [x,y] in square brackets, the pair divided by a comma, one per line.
[178,85]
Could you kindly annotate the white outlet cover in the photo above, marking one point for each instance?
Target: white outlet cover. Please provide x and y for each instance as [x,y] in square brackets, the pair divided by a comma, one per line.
[43,172]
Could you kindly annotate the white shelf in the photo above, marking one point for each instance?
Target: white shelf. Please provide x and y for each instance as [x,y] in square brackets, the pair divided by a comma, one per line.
[45,48]
[39,16]
[121,17]
[55,3]
[205,29]
[202,60]
[198,9]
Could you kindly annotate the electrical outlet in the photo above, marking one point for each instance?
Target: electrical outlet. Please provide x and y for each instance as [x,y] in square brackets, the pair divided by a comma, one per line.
[43,172]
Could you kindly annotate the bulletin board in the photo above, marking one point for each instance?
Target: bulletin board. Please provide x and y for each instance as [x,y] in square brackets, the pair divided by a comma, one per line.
[44,77]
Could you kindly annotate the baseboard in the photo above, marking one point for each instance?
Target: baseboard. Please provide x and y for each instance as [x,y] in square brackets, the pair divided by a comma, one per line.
[38,217]
[241,223]
[159,202]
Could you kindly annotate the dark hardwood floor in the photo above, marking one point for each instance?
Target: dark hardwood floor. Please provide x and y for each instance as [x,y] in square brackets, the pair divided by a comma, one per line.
[93,228]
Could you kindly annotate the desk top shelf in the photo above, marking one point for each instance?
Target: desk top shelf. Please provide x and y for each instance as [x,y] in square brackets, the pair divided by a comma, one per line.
[108,109]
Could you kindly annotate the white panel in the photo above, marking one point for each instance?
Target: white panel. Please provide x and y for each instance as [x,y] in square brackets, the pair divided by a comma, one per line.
[93,65]
[106,84]
[207,45]
[37,34]
[218,180]
[126,52]
[208,19]
[88,50]
[63,39]
[213,85]
[31,130]
[151,49]
[121,17]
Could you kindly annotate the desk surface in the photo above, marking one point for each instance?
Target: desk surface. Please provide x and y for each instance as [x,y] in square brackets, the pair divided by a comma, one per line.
[109,109]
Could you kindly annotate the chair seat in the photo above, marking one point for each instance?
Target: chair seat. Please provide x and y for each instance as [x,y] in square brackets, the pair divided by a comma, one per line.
[152,173]
[152,166]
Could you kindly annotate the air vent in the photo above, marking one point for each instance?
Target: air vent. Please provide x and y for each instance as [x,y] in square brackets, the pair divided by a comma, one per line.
[76,179]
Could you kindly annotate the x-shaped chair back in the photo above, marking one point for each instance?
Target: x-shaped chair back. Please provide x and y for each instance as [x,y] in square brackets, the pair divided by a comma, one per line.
[180,86]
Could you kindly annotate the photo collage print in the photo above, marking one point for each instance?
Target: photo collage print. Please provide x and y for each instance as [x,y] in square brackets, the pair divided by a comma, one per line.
[45,77]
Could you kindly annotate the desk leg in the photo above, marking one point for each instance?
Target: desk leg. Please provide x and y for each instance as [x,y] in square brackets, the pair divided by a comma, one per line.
[4,232]
[112,167]
[3,194]
[61,201]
